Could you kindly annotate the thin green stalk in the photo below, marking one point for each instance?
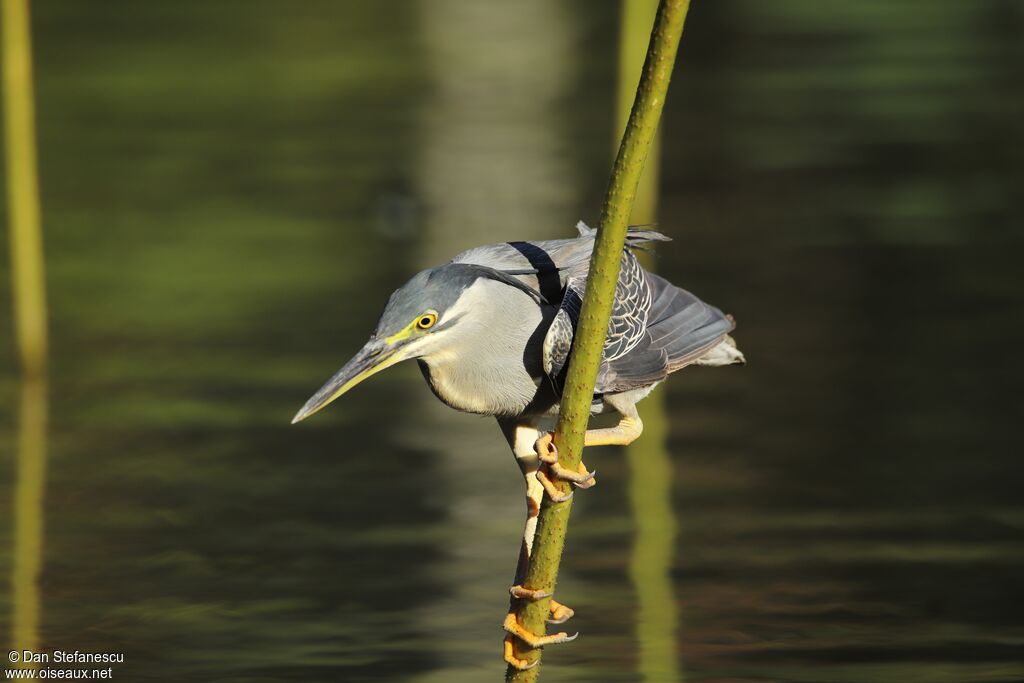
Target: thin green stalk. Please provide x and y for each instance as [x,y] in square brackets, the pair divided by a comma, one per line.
[29,284]
[553,520]
[637,18]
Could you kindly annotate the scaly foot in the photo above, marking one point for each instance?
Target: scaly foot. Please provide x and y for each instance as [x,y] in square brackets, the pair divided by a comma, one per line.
[559,613]
[548,455]
[514,628]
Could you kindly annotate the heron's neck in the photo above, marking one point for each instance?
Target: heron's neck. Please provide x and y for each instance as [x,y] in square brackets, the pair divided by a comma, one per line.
[491,363]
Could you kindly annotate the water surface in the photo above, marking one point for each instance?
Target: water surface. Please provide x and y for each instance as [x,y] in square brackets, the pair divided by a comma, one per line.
[232,189]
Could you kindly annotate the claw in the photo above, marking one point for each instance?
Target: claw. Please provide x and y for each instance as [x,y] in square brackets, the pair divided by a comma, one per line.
[560,613]
[512,660]
[513,627]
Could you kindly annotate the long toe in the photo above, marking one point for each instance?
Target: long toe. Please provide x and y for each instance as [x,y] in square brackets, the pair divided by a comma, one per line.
[581,478]
[552,491]
[512,660]
[559,613]
[518,591]
[513,626]
[545,447]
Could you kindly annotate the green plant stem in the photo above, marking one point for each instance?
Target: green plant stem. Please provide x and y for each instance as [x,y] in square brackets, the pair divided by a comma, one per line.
[29,286]
[585,359]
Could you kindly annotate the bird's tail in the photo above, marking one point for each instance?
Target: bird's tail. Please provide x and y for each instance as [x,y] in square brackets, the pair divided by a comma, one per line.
[635,234]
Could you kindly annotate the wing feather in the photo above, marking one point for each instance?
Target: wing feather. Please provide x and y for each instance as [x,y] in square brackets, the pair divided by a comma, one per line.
[655,328]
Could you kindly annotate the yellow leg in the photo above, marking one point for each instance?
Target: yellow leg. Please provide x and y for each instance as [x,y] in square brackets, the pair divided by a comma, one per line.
[522,437]
[622,434]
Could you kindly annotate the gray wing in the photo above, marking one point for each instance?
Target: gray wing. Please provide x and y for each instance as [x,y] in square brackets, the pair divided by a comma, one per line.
[629,311]
[680,329]
[553,262]
[656,328]
[627,327]
[558,340]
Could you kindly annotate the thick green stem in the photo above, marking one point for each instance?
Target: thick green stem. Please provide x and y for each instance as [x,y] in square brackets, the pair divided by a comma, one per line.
[22,189]
[597,304]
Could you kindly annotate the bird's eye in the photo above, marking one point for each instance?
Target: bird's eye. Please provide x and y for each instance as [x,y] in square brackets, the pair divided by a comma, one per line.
[426,321]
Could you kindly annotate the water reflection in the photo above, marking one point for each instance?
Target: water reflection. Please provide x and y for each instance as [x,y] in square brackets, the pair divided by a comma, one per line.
[28,515]
[650,494]
[650,465]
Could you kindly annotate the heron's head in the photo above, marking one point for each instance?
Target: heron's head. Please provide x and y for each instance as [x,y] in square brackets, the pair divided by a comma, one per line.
[422,317]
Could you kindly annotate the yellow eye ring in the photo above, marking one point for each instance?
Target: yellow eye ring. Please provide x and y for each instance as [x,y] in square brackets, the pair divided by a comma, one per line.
[426,321]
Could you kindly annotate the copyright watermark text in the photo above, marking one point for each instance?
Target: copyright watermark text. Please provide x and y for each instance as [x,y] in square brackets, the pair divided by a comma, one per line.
[30,665]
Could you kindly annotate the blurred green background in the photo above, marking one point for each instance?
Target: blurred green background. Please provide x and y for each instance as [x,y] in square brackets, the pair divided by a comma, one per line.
[230,191]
